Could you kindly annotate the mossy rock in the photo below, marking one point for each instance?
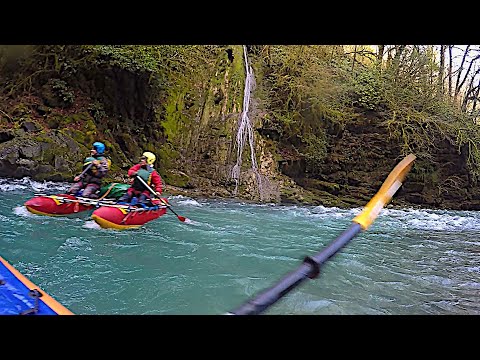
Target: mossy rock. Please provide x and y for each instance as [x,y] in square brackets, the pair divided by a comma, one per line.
[77,135]
[353,201]
[54,121]
[176,178]
[331,187]
[166,156]
[20,110]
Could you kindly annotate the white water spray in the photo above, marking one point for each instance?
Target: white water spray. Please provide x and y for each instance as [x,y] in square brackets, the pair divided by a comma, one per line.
[245,130]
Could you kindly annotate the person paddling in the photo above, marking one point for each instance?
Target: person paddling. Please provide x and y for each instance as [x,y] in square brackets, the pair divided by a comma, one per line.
[95,168]
[145,170]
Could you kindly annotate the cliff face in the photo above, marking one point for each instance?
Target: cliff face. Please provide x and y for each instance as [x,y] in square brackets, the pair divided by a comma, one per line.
[191,124]
[360,157]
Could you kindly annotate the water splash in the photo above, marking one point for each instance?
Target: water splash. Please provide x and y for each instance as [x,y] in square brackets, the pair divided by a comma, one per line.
[190,202]
[22,211]
[91,224]
[245,130]
[15,185]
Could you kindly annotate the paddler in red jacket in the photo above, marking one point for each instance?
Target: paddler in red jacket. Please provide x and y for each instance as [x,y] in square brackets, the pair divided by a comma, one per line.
[146,171]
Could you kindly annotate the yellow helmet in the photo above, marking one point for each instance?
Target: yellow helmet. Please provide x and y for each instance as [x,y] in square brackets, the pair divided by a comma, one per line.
[150,157]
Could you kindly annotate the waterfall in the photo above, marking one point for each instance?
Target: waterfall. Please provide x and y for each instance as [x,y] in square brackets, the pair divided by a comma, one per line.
[245,130]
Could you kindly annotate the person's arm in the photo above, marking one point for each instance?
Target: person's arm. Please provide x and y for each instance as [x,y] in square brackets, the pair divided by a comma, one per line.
[157,182]
[133,170]
[86,169]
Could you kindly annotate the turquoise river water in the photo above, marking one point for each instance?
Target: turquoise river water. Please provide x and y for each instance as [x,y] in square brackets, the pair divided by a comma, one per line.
[409,261]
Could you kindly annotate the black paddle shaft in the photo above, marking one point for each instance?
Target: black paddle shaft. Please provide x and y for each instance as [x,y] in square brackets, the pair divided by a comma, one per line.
[310,268]
[86,169]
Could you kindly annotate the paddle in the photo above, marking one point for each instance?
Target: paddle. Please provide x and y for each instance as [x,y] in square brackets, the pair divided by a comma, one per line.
[311,264]
[181,218]
[84,171]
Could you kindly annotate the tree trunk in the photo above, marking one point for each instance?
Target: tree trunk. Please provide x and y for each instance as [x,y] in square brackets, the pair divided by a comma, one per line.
[441,72]
[381,50]
[459,74]
[354,56]
[450,66]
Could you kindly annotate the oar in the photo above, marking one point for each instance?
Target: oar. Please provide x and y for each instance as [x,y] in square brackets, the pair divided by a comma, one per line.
[86,169]
[310,267]
[181,218]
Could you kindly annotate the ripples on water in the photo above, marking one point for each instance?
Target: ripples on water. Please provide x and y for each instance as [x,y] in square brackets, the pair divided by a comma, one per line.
[408,262]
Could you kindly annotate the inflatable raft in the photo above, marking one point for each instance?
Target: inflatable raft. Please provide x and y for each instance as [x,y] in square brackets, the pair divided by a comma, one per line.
[121,217]
[57,205]
[19,296]
[65,204]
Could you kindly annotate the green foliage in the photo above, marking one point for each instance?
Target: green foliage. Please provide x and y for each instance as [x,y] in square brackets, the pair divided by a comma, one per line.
[61,89]
[166,64]
[467,135]
[129,57]
[421,132]
[303,88]
[97,110]
[315,150]
[307,87]
[366,85]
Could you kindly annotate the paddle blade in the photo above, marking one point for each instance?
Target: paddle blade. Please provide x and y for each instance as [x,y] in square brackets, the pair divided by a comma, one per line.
[185,220]
[386,192]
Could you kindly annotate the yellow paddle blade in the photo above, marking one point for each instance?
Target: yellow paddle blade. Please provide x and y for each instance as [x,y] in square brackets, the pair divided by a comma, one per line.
[386,192]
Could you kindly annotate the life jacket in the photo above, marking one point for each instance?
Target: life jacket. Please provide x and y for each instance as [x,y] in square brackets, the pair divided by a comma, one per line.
[87,162]
[92,172]
[146,175]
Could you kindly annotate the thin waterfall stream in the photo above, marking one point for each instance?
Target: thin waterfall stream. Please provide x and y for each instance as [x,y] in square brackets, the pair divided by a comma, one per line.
[245,130]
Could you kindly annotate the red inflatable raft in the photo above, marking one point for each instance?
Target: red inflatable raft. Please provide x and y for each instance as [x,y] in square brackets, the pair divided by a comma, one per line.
[121,217]
[65,204]
[57,205]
